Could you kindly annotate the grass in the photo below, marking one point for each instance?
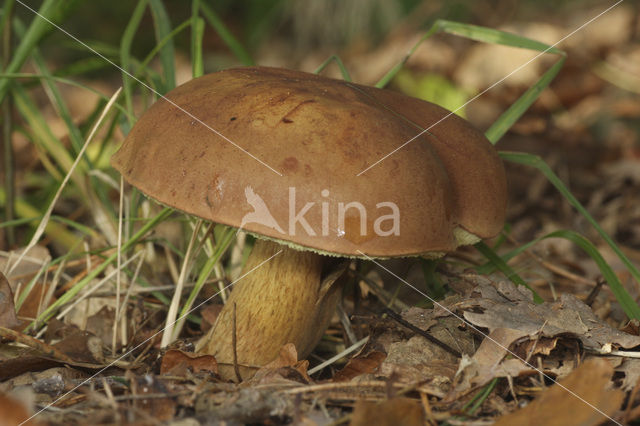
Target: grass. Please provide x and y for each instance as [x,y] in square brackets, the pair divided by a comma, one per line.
[67,166]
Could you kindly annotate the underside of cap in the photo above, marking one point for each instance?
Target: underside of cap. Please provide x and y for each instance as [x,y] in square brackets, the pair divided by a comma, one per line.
[278,152]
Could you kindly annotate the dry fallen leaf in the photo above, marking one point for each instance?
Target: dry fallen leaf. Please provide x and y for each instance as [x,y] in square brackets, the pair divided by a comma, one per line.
[209,315]
[20,275]
[177,363]
[13,412]
[7,309]
[159,408]
[556,406]
[285,366]
[363,364]
[486,362]
[502,305]
[393,412]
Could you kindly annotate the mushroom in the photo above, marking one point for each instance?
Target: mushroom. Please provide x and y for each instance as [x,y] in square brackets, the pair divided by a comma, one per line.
[284,164]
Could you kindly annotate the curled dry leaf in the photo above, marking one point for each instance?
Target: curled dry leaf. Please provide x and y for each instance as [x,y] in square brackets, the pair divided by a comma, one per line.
[486,362]
[286,366]
[78,345]
[177,363]
[362,364]
[590,384]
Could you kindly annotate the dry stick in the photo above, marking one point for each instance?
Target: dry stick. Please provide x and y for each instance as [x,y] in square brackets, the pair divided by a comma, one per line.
[235,351]
[382,294]
[151,289]
[130,287]
[34,343]
[346,324]
[42,295]
[427,409]
[421,332]
[47,216]
[110,398]
[67,264]
[52,286]
[119,268]
[594,292]
[169,335]
[336,357]
[173,269]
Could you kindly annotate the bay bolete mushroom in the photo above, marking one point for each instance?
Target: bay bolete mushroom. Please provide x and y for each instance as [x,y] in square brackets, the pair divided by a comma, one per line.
[444,189]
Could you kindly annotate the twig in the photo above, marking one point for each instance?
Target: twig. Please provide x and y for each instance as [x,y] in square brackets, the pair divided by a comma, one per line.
[338,356]
[235,349]
[594,292]
[39,345]
[346,324]
[423,333]
[151,396]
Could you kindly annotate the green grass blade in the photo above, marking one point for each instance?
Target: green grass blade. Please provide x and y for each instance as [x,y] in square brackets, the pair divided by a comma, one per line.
[505,269]
[490,35]
[141,68]
[53,10]
[338,61]
[197,34]
[28,213]
[60,105]
[493,36]
[232,43]
[162,27]
[125,56]
[65,81]
[82,67]
[435,287]
[479,398]
[7,13]
[539,164]
[39,129]
[396,68]
[515,111]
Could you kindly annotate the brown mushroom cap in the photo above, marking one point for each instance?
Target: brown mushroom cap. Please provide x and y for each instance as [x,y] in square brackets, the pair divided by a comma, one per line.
[319,133]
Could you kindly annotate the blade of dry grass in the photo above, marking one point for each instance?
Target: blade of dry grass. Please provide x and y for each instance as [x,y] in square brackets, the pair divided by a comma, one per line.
[45,220]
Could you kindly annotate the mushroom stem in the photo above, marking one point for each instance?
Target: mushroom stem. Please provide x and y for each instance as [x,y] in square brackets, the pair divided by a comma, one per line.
[283,301]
